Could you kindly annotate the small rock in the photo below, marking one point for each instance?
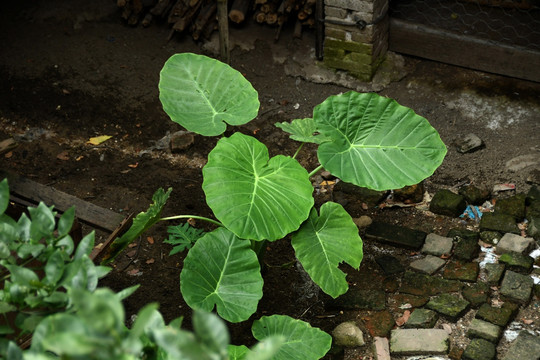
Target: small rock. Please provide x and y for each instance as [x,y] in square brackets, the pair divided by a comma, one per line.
[484,330]
[418,341]
[533,229]
[437,245]
[479,349]
[517,262]
[327,175]
[410,194]
[513,206]
[494,273]
[474,195]
[363,221]
[396,235]
[448,305]
[522,161]
[181,141]
[469,143]
[348,334]
[464,271]
[422,319]
[447,203]
[457,234]
[517,287]
[525,347]
[499,222]
[534,177]
[498,316]
[382,348]
[428,265]
[389,264]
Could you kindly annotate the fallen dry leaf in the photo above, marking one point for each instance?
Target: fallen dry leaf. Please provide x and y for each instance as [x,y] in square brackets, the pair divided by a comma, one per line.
[527,321]
[133,166]
[150,261]
[134,272]
[8,154]
[132,245]
[125,171]
[64,156]
[404,318]
[150,240]
[132,253]
[98,139]
[79,158]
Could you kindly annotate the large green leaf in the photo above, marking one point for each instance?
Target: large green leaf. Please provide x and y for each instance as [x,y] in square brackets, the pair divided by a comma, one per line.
[256,197]
[4,196]
[376,142]
[302,342]
[141,223]
[203,94]
[222,270]
[303,130]
[323,242]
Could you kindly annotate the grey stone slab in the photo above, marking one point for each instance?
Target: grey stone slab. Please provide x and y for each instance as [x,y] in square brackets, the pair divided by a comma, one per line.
[517,287]
[421,319]
[525,347]
[381,348]
[514,243]
[396,235]
[484,330]
[418,341]
[428,264]
[437,245]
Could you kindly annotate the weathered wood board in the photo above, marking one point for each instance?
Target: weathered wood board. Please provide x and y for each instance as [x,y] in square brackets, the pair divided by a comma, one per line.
[86,212]
[474,53]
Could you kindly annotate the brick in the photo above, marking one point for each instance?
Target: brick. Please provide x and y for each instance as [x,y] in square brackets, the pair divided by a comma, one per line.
[429,264]
[336,12]
[418,341]
[382,348]
[365,6]
[437,245]
[484,330]
[514,243]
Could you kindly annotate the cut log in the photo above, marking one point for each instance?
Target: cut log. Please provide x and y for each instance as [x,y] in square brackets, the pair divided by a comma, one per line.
[181,24]
[161,8]
[207,14]
[239,10]
[271,18]
[260,17]
[297,29]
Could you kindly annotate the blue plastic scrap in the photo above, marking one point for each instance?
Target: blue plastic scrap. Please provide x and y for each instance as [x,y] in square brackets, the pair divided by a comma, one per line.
[472,212]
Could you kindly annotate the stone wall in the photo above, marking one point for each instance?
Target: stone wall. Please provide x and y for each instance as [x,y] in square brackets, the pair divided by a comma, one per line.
[356,35]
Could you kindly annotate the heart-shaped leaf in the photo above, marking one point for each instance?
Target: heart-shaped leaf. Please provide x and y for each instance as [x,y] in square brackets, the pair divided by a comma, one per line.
[222,270]
[325,241]
[302,130]
[376,142]
[301,341]
[203,94]
[253,196]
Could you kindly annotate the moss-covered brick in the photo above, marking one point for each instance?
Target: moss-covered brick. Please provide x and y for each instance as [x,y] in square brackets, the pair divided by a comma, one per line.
[448,305]
[498,316]
[513,206]
[426,285]
[480,349]
[349,46]
[499,222]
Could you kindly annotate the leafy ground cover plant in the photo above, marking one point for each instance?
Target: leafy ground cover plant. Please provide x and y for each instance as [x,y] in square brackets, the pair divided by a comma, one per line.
[51,286]
[363,138]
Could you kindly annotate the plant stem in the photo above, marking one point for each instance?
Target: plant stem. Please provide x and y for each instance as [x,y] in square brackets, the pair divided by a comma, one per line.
[191,217]
[297,151]
[316,170]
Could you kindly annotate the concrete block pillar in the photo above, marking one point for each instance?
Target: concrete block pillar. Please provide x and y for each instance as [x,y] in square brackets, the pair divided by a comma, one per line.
[356,35]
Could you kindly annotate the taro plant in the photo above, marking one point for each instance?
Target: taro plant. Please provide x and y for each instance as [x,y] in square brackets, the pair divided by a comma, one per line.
[363,138]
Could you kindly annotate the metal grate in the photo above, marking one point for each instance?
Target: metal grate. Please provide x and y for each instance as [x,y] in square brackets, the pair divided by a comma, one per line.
[511,22]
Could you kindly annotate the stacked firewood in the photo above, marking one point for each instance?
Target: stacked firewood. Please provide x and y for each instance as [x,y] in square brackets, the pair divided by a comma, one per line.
[199,17]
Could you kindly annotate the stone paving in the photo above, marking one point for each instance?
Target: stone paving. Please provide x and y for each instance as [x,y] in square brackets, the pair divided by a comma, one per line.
[481,280]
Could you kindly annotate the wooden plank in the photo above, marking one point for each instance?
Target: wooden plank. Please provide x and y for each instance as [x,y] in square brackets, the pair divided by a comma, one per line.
[467,51]
[86,212]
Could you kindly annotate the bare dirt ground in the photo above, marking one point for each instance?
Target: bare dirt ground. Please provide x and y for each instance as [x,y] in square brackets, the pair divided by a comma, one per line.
[72,70]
